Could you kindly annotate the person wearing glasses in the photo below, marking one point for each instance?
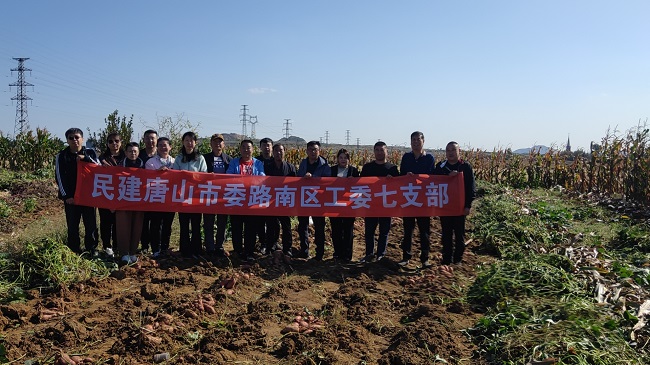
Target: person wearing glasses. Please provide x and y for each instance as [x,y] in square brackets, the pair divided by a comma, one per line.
[66,179]
[113,156]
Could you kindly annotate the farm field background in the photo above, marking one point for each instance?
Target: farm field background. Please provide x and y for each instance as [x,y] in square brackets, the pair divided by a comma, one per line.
[556,272]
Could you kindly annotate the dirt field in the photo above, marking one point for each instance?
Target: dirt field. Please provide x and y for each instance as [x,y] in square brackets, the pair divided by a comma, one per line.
[351,313]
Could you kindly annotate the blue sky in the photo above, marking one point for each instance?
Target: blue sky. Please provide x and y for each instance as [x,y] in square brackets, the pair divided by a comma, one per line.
[484,73]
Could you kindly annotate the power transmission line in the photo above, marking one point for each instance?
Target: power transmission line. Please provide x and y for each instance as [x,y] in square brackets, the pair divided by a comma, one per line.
[244,120]
[253,126]
[347,137]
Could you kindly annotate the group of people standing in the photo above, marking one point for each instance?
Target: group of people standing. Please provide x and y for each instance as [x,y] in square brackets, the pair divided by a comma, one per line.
[152,230]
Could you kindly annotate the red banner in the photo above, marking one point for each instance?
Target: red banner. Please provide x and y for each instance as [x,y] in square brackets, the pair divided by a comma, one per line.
[120,188]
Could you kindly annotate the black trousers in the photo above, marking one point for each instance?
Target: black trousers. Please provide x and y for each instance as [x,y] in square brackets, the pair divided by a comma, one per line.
[453,247]
[190,244]
[107,229]
[342,237]
[161,230]
[73,216]
[273,225]
[424,227]
[244,228]
[208,231]
[319,236]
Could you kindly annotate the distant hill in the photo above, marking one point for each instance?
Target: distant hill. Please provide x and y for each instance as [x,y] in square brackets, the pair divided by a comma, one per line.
[539,148]
[292,140]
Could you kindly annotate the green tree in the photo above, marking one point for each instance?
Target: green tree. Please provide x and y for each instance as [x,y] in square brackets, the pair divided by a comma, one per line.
[114,124]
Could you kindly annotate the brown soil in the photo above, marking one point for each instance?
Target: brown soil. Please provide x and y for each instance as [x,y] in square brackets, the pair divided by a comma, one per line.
[367,314]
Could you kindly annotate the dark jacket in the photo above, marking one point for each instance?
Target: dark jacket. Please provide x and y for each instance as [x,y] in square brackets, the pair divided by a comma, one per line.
[444,168]
[374,169]
[137,163]
[352,171]
[112,160]
[66,170]
[322,170]
[425,164]
[209,160]
[287,169]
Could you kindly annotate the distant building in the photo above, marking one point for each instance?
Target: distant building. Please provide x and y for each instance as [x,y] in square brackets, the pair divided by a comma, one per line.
[568,144]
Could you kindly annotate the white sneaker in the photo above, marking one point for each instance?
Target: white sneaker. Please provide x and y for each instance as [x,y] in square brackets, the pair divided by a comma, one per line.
[109,252]
[403,263]
[133,258]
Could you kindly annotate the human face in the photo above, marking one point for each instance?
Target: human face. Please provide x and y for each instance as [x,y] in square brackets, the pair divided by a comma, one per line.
[278,154]
[150,141]
[266,149]
[246,150]
[75,141]
[453,153]
[417,143]
[313,152]
[189,143]
[380,153]
[217,145]
[114,144]
[132,153]
[164,148]
[343,160]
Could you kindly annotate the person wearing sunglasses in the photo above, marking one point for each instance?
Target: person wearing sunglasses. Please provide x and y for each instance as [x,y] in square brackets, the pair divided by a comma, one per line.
[113,156]
[66,179]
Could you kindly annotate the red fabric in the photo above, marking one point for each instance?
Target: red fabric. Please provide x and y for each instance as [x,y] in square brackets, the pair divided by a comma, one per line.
[122,188]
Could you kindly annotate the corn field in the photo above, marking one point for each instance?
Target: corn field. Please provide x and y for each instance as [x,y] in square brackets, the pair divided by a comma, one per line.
[620,165]
[29,151]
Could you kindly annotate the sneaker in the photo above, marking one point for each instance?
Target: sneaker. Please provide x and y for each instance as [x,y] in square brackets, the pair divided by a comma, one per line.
[156,254]
[403,263]
[109,251]
[133,258]
[126,259]
[367,259]
[263,251]
[250,258]
[380,257]
[426,264]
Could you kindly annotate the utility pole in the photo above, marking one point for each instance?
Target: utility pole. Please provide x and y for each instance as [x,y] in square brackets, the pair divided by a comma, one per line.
[253,126]
[347,137]
[244,120]
[321,140]
[327,138]
[287,130]
[22,124]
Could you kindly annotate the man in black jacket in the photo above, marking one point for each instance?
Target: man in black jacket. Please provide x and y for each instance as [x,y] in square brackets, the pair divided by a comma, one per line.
[218,162]
[66,179]
[455,225]
[279,167]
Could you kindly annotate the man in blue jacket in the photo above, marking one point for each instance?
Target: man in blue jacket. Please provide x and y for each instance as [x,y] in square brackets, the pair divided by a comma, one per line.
[313,166]
[66,179]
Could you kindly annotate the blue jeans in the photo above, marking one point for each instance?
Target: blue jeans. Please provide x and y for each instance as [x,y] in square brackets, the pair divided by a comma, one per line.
[319,235]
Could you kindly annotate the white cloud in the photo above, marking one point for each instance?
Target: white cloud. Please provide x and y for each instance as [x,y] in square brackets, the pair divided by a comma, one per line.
[261,90]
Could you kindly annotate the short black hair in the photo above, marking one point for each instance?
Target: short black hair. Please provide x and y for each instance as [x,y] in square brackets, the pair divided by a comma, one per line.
[277,146]
[313,143]
[149,131]
[265,141]
[132,144]
[379,144]
[72,131]
[246,141]
[163,139]
[417,134]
